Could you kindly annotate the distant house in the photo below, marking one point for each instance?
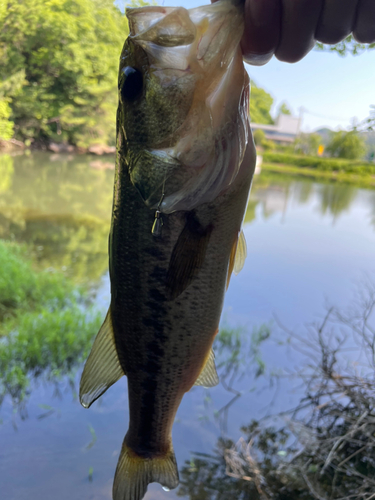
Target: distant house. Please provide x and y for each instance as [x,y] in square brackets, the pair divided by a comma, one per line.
[284,131]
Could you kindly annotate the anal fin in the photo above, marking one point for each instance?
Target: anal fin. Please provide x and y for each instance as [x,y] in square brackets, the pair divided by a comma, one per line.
[232,258]
[237,256]
[102,368]
[208,376]
[241,254]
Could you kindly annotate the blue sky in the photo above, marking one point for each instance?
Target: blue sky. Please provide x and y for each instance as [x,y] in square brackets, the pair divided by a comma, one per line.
[335,88]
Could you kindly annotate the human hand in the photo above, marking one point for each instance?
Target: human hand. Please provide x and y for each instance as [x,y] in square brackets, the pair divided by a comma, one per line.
[289,29]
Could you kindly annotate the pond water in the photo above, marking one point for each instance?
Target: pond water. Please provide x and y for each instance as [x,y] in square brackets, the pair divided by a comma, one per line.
[310,246]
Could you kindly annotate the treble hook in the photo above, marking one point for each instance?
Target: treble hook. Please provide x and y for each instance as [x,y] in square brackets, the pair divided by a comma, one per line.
[158,222]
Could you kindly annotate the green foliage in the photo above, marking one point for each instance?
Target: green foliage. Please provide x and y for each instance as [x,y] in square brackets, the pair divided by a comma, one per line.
[259,137]
[260,105]
[283,109]
[6,172]
[261,141]
[324,164]
[234,355]
[60,60]
[6,125]
[44,327]
[347,46]
[349,145]
[50,341]
[60,207]
[308,143]
[21,288]
[269,145]
[368,124]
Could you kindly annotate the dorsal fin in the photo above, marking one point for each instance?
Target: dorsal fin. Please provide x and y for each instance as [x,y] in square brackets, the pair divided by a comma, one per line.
[187,257]
[208,376]
[102,368]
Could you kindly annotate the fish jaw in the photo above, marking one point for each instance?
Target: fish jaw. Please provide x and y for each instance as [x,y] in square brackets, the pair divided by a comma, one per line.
[194,77]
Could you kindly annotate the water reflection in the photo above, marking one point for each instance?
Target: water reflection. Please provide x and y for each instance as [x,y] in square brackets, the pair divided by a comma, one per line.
[60,208]
[324,448]
[75,243]
[274,192]
[335,199]
[6,172]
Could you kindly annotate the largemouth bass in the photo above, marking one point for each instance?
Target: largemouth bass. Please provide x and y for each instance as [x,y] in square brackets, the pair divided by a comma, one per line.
[185,161]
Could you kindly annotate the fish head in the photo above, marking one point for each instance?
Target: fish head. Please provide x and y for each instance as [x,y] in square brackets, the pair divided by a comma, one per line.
[183,102]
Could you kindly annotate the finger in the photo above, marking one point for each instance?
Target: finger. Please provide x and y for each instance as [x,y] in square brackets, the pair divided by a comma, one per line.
[336,21]
[364,29]
[262,30]
[298,25]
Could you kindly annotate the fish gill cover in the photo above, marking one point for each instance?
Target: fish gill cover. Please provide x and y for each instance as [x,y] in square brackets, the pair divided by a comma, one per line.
[190,129]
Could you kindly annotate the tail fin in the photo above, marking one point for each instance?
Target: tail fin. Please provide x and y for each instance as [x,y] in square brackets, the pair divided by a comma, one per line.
[134,473]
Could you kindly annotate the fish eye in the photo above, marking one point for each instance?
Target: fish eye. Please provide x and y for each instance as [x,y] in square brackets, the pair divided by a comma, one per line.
[131,83]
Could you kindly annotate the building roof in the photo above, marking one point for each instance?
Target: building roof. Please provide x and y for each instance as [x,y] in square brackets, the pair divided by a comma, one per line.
[285,129]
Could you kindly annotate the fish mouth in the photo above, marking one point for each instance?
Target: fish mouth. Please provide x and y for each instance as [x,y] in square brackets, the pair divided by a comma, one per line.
[193,37]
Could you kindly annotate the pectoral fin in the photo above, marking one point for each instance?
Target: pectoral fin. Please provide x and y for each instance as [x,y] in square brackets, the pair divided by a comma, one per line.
[187,256]
[102,368]
[208,376]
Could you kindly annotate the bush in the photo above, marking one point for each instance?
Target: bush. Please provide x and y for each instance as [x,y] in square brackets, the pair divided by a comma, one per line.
[22,288]
[308,144]
[44,327]
[259,137]
[325,164]
[6,125]
[348,145]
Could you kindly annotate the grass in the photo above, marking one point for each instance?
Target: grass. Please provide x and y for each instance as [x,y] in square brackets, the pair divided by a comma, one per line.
[22,288]
[355,179]
[321,163]
[46,323]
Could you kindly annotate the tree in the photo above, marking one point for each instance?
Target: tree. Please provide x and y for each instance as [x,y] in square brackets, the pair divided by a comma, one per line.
[347,46]
[59,63]
[6,126]
[260,105]
[368,124]
[283,109]
[259,137]
[308,143]
[348,145]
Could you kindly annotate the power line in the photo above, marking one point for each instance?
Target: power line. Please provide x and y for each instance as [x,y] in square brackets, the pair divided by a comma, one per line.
[326,117]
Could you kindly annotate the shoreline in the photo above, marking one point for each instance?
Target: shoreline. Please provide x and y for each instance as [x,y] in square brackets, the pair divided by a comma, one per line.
[12,146]
[365,181]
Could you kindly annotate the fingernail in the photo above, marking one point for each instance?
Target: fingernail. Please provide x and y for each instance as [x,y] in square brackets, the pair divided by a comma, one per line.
[257,59]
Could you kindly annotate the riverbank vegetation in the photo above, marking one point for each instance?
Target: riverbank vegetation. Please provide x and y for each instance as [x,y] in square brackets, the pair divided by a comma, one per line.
[46,323]
[348,156]
[355,180]
[324,448]
[59,63]
[356,172]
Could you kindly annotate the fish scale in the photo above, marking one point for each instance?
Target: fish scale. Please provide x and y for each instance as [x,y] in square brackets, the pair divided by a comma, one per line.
[184,159]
